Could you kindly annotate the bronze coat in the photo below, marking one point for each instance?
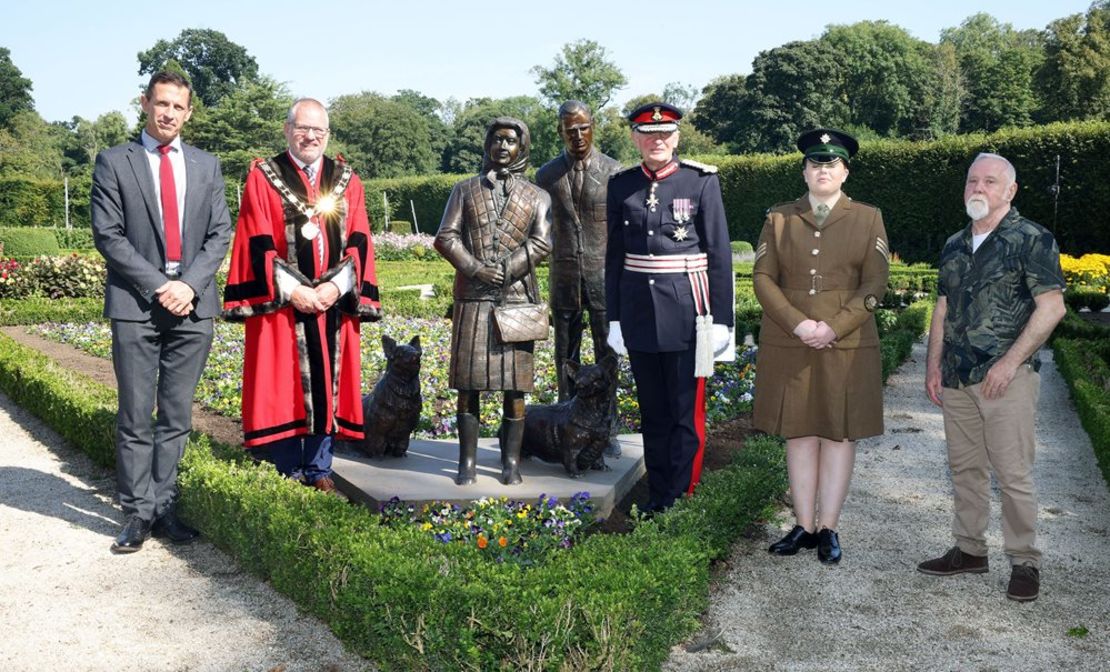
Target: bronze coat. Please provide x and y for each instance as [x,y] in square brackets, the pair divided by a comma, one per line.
[472,235]
[578,231]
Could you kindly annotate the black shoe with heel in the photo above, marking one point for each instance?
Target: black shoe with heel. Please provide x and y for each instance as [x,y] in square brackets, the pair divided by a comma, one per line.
[828,546]
[795,540]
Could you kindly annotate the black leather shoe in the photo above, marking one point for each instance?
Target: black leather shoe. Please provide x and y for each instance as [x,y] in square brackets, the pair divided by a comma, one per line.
[794,541]
[828,546]
[134,533]
[169,526]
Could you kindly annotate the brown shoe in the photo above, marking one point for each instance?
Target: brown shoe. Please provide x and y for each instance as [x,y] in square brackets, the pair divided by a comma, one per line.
[1025,583]
[953,562]
[324,484]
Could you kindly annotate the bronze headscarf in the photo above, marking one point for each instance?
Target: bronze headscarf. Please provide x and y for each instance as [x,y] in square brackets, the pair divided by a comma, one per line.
[508,173]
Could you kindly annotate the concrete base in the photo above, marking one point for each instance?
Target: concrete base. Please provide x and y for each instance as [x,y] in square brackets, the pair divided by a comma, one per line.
[428,472]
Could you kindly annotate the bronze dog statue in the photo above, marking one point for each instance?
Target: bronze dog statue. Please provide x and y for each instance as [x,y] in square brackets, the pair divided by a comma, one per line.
[392,410]
[574,432]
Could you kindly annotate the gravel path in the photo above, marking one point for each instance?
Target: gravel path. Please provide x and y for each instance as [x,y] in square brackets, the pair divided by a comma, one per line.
[67,603]
[876,612]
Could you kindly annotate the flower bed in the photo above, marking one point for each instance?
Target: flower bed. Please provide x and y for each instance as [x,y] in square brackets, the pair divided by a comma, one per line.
[728,393]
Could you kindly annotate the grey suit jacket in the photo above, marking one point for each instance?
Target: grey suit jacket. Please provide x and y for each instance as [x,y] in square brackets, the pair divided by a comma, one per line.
[127,230]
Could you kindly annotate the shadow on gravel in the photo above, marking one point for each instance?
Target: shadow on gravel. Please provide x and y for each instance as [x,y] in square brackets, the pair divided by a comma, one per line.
[49,495]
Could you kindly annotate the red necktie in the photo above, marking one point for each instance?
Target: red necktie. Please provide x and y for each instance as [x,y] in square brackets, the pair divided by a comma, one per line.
[169,206]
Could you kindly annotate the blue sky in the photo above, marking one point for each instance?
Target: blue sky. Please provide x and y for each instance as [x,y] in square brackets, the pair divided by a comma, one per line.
[81,56]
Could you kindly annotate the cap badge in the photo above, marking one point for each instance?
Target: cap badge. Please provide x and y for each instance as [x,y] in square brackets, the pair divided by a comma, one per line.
[825,139]
[657,115]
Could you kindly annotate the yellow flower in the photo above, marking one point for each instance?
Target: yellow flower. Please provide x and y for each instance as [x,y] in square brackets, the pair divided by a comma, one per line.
[426,526]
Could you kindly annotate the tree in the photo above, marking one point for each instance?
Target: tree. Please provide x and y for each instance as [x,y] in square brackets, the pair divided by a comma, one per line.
[885,76]
[246,125]
[581,72]
[998,64]
[792,88]
[464,150]
[382,137]
[15,90]
[434,112]
[716,111]
[30,147]
[1074,80]
[87,138]
[215,65]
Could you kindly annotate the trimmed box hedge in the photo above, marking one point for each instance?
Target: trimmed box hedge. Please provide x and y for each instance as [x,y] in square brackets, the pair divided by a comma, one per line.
[1084,365]
[411,603]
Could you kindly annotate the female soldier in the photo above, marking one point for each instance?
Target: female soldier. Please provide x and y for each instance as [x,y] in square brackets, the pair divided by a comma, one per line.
[495,229]
[821,268]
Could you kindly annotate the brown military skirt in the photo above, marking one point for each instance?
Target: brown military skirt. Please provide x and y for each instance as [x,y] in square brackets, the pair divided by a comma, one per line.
[833,393]
[479,360]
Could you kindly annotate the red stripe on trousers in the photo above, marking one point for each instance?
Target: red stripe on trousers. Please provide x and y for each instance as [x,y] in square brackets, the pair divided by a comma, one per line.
[699,427]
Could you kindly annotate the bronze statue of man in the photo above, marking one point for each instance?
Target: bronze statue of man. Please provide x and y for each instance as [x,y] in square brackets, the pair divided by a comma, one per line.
[495,230]
[577,181]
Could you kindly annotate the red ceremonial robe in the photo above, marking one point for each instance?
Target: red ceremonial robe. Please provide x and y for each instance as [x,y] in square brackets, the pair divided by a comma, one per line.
[301,373]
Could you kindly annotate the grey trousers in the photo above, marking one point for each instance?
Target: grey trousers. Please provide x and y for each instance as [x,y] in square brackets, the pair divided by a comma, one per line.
[158,361]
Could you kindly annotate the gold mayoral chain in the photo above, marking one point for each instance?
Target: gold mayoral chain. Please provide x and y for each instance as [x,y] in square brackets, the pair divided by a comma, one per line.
[325,206]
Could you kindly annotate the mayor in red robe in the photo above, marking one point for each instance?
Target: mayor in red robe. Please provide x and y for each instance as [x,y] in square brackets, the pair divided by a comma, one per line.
[302,278]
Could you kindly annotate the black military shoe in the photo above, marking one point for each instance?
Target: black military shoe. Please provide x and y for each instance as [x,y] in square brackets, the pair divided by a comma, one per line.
[794,540]
[828,546]
[134,533]
[169,526]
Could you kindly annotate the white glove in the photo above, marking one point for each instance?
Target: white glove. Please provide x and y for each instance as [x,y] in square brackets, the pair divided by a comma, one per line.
[616,339]
[722,338]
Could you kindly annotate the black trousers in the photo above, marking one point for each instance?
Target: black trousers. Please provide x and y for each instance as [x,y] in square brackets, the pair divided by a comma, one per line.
[672,421]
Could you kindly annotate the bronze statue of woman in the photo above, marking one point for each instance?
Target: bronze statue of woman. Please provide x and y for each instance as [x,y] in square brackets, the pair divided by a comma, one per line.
[495,230]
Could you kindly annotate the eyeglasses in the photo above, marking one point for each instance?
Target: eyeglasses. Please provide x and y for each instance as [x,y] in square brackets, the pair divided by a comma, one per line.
[305,130]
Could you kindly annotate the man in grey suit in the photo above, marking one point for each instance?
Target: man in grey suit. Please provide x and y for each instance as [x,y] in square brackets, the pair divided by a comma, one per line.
[577,181]
[160,220]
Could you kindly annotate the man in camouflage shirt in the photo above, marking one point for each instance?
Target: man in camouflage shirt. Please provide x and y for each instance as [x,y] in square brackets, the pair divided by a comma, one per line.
[999,296]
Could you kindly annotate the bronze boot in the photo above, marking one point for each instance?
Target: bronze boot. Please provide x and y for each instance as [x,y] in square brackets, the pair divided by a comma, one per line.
[512,434]
[468,448]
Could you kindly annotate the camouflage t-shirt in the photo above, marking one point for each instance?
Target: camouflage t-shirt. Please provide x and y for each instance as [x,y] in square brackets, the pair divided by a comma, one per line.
[990,294]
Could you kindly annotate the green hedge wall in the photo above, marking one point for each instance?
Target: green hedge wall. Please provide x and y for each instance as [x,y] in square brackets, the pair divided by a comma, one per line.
[22,242]
[918,185]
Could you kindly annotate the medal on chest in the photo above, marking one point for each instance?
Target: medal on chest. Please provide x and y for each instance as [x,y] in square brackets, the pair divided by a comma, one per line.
[652,201]
[682,209]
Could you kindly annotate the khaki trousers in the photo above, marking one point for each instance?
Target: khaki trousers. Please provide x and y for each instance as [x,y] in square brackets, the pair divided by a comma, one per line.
[996,434]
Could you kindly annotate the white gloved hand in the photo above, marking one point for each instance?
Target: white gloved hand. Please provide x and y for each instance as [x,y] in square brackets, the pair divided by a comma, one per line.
[616,339]
[722,338]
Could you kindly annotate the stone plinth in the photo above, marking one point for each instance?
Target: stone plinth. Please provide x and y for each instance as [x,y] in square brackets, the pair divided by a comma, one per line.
[427,474]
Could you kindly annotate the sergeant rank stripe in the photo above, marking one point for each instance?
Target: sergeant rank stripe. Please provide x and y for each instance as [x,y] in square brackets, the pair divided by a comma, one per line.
[881,246]
[761,250]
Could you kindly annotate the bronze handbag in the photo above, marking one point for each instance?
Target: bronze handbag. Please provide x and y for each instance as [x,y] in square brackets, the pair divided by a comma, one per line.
[521,322]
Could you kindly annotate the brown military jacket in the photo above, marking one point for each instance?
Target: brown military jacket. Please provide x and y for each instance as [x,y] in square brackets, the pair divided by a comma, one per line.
[836,272]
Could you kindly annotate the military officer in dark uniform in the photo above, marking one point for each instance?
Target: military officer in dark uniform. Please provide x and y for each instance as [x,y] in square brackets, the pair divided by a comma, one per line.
[577,181]
[668,292]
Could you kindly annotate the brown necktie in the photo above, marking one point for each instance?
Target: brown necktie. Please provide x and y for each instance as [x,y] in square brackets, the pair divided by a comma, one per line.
[170,220]
[579,181]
